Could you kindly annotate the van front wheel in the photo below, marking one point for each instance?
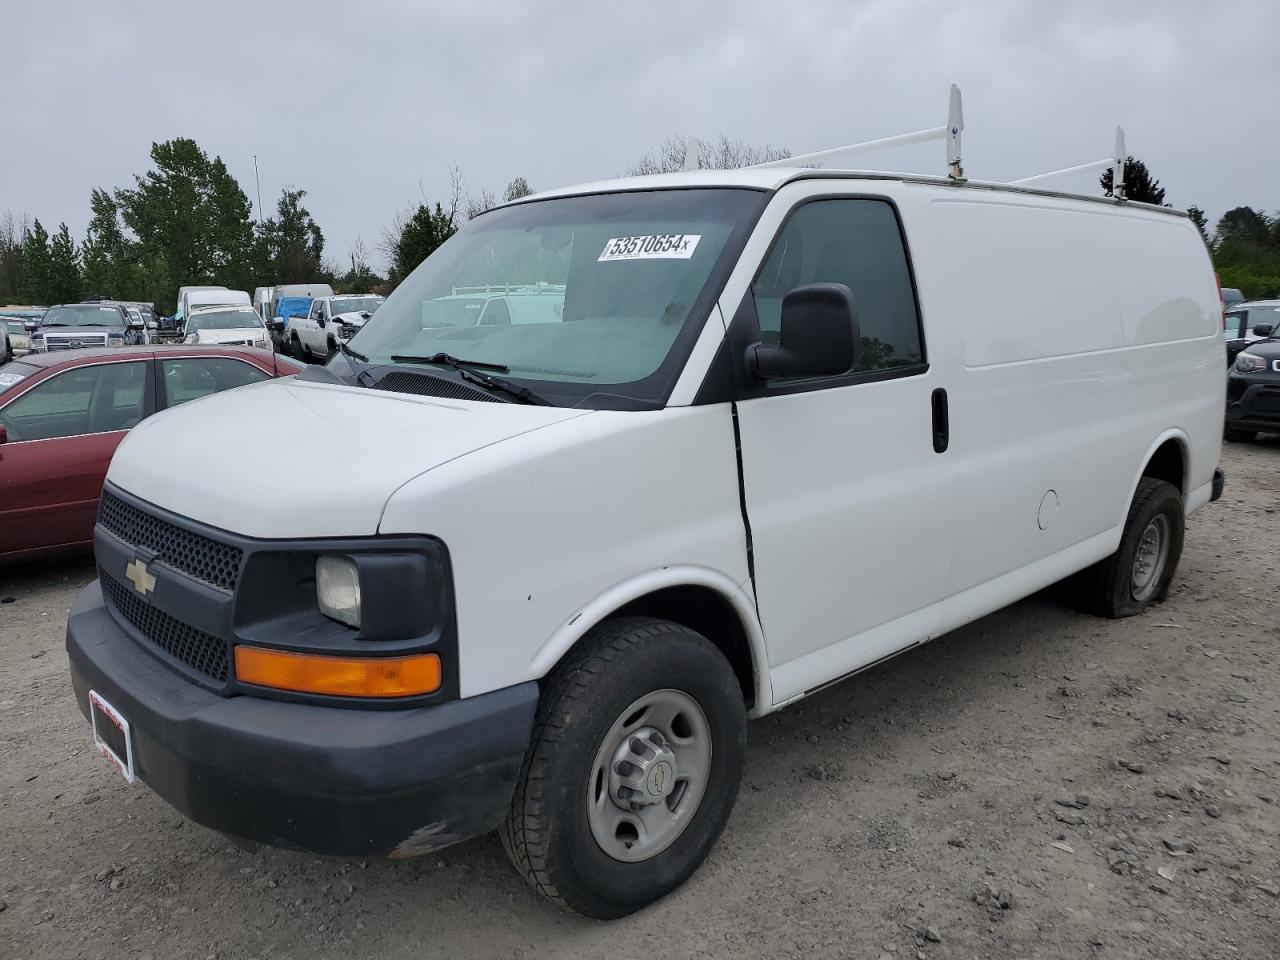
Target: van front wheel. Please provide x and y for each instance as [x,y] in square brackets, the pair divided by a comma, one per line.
[1138,574]
[632,771]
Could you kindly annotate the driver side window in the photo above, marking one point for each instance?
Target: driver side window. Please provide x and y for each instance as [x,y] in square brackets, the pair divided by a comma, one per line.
[856,242]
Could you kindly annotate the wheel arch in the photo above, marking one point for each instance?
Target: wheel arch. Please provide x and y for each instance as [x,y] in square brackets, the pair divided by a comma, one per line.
[696,597]
[1168,459]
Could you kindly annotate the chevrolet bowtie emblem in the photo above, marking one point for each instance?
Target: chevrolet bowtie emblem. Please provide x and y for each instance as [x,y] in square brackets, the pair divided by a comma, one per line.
[143,582]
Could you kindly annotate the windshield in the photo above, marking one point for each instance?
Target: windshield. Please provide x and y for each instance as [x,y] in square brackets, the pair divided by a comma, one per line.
[13,373]
[224,320]
[579,296]
[354,305]
[83,315]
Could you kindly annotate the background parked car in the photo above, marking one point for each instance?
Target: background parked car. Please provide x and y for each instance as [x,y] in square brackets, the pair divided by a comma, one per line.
[1238,324]
[1253,385]
[63,414]
[238,325]
[71,326]
[286,308]
[330,321]
[19,338]
[1230,297]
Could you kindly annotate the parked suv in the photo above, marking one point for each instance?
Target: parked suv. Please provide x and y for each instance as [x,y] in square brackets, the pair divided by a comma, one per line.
[70,326]
[1253,385]
[1240,325]
[766,432]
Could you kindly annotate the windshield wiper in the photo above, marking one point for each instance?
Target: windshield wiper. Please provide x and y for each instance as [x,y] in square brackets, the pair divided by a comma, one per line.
[448,360]
[355,355]
[467,370]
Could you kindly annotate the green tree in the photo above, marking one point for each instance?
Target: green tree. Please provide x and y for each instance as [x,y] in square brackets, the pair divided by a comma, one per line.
[413,236]
[517,188]
[190,213]
[361,278]
[66,282]
[35,254]
[1246,252]
[13,238]
[1196,215]
[110,268]
[295,243]
[1139,185]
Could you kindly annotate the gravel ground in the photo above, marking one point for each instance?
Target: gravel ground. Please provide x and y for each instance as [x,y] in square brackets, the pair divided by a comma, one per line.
[1038,784]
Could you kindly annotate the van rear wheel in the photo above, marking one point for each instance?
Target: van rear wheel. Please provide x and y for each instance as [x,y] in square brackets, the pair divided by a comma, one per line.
[1138,574]
[632,771]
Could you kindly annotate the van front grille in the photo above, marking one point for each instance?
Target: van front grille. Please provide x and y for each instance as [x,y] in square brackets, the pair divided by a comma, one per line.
[202,652]
[217,564]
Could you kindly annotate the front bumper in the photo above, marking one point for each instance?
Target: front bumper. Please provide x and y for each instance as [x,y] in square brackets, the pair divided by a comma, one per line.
[325,780]
[1253,404]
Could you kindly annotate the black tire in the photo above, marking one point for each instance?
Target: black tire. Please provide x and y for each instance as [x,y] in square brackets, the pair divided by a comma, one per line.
[299,348]
[333,346]
[1107,588]
[547,833]
[1232,435]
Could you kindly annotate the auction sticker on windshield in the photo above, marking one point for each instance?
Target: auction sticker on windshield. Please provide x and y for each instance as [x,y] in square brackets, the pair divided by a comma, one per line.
[660,246]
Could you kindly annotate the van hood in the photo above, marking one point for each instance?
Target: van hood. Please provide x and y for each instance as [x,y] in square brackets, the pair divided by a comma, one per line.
[289,458]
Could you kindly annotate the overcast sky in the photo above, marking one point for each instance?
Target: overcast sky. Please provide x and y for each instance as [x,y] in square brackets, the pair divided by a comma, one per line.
[365,105]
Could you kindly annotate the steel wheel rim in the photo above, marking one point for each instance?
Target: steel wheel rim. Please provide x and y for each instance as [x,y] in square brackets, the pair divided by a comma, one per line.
[666,789]
[1150,558]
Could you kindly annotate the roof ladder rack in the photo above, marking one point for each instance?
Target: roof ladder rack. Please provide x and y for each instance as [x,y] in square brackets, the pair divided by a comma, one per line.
[950,132]
[1115,162]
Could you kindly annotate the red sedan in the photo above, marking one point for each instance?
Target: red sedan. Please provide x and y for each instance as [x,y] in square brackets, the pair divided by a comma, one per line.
[62,415]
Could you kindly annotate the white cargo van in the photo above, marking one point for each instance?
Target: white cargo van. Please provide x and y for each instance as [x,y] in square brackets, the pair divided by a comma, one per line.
[778,425]
[217,297]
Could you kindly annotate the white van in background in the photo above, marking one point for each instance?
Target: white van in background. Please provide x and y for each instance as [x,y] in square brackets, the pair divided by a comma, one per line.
[178,313]
[767,428]
[216,297]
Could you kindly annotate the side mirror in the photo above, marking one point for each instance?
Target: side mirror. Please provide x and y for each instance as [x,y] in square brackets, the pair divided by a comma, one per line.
[819,335]
[320,319]
[1264,329]
[31,326]
[137,325]
[277,326]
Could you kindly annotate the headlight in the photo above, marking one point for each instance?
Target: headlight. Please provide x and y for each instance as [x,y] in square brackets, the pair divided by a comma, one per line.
[1247,362]
[116,339]
[338,589]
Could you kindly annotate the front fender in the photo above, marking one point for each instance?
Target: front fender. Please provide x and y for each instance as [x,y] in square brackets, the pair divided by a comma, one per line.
[590,614]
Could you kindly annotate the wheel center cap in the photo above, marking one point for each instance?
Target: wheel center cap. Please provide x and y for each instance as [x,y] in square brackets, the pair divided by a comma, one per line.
[643,770]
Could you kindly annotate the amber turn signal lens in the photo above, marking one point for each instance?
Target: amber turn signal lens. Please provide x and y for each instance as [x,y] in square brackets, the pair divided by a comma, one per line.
[339,676]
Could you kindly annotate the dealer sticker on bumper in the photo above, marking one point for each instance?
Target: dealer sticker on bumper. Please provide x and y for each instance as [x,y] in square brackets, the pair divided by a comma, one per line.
[111,735]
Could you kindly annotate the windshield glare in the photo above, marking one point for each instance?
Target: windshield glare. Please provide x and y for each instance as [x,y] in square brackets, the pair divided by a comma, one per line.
[224,320]
[83,315]
[354,305]
[577,296]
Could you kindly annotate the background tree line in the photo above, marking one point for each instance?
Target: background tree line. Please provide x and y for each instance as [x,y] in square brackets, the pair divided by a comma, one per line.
[188,221]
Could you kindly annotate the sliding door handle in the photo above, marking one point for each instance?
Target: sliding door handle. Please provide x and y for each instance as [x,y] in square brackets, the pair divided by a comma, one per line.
[941,421]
